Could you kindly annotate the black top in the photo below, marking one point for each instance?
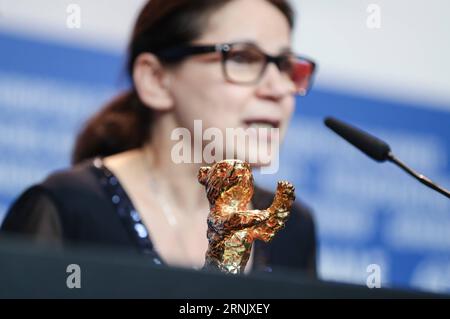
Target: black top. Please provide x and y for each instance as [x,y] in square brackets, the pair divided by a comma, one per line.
[86,204]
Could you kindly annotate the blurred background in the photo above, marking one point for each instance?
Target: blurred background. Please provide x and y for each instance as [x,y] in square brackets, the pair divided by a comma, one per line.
[383,66]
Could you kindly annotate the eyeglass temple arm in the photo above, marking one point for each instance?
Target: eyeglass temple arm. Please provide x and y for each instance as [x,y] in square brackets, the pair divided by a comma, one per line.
[181,52]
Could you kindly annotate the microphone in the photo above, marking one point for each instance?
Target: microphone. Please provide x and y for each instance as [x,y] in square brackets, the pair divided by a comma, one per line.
[376,149]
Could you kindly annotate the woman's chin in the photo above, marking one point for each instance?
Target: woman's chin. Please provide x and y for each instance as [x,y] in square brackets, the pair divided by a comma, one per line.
[257,161]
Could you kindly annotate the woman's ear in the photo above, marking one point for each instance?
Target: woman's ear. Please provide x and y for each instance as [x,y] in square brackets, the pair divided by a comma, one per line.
[151,82]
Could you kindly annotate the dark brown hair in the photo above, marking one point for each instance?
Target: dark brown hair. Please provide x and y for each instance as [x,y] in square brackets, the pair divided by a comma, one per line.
[124,123]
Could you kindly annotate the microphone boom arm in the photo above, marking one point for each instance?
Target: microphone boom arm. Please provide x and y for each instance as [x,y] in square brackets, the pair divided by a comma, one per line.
[420,177]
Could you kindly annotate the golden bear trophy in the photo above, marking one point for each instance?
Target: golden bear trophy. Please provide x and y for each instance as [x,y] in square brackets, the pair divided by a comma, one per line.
[232,227]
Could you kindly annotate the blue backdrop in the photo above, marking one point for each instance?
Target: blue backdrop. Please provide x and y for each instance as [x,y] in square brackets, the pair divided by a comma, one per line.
[366,213]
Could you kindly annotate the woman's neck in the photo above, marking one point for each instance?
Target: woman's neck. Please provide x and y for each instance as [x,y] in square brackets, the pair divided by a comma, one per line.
[179,179]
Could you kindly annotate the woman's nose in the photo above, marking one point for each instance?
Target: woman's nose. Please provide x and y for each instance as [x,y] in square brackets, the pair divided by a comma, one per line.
[274,84]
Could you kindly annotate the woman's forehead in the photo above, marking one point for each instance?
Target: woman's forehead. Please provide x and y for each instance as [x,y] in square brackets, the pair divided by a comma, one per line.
[256,21]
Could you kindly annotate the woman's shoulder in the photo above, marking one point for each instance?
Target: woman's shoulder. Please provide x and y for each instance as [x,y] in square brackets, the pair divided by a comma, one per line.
[68,182]
[60,191]
[75,200]
[80,177]
[78,190]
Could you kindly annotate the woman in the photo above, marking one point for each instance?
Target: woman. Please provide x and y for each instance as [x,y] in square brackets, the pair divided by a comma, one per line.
[227,63]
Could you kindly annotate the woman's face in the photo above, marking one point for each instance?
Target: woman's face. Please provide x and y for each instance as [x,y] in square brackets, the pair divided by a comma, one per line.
[201,92]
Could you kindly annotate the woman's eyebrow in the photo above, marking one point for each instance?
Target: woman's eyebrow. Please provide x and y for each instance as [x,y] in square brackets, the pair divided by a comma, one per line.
[282,50]
[285,50]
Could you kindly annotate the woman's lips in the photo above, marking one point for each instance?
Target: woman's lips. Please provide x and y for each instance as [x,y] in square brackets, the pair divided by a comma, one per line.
[261,128]
[262,123]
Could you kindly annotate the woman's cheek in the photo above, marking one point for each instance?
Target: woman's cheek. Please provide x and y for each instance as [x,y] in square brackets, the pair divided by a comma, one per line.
[287,116]
[228,106]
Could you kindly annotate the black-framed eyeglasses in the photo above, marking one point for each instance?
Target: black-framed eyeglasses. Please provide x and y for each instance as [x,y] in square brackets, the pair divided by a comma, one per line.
[245,63]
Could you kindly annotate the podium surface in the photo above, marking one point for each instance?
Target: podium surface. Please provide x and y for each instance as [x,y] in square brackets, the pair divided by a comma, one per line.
[36,271]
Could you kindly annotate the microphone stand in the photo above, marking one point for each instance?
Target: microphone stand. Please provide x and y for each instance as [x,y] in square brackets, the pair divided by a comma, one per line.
[421,178]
